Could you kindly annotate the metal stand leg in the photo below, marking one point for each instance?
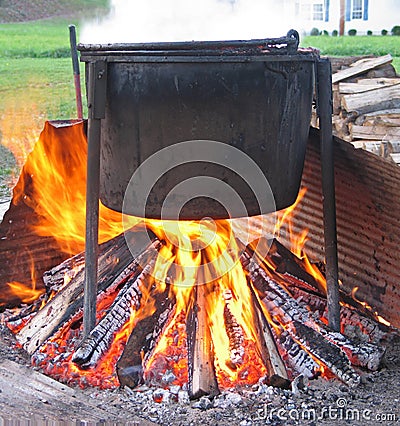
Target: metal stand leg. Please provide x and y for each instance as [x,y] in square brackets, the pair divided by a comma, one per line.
[96,105]
[324,78]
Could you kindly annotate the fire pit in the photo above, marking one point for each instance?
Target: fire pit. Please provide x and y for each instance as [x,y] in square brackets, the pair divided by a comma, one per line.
[233,313]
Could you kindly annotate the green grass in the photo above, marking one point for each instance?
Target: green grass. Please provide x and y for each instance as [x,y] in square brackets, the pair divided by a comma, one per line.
[39,39]
[356,46]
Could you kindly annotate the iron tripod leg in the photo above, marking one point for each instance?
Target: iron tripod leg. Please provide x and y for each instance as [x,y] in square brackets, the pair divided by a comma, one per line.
[97,79]
[324,86]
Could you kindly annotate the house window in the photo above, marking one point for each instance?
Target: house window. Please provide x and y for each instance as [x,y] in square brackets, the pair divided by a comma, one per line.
[312,11]
[357,10]
[318,12]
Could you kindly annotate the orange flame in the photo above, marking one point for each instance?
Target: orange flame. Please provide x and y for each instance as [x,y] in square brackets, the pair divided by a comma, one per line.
[298,238]
[28,293]
[206,254]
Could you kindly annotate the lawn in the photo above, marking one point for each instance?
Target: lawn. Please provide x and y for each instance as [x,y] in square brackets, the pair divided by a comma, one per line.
[358,45]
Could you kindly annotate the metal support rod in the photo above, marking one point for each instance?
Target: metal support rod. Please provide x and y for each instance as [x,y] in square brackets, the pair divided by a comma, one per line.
[77,74]
[96,100]
[324,81]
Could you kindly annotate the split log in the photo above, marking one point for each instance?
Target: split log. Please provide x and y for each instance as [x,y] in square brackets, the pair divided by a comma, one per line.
[366,85]
[395,157]
[375,132]
[269,351]
[202,379]
[343,62]
[361,68]
[113,259]
[373,100]
[381,120]
[143,340]
[383,81]
[394,113]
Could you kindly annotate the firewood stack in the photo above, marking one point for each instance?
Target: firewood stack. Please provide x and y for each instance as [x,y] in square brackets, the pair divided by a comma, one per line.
[366,104]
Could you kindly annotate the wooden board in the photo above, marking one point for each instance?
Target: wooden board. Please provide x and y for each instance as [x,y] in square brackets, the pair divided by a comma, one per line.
[28,395]
[360,68]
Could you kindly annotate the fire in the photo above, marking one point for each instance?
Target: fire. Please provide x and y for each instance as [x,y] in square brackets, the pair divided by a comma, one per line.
[198,261]
[298,239]
[28,293]
[53,184]
[206,254]
[369,308]
[25,292]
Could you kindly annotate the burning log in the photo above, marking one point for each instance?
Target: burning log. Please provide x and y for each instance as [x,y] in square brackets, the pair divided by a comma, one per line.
[296,358]
[202,380]
[144,338]
[269,351]
[114,258]
[288,264]
[235,333]
[351,317]
[330,355]
[310,333]
[128,300]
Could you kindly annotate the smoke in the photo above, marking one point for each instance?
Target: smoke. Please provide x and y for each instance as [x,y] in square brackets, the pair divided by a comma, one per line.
[185,20]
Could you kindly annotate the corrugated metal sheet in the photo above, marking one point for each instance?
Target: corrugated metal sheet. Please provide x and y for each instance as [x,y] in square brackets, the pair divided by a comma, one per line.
[368,222]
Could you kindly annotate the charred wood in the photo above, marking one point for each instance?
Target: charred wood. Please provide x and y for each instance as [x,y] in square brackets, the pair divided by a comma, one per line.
[296,358]
[127,300]
[351,318]
[234,332]
[311,334]
[113,259]
[327,353]
[143,340]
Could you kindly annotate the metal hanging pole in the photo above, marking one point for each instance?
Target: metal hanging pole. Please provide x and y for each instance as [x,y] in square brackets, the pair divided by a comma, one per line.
[77,74]
[97,73]
[324,86]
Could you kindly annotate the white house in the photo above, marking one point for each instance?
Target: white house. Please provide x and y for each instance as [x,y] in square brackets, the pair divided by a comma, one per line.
[361,15]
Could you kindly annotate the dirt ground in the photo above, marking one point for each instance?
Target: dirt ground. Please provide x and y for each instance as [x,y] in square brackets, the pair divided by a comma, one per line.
[27,395]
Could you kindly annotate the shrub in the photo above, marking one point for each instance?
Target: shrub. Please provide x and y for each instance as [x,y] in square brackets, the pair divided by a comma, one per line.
[314,32]
[396,30]
[369,32]
[325,33]
[335,33]
[352,32]
[384,32]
